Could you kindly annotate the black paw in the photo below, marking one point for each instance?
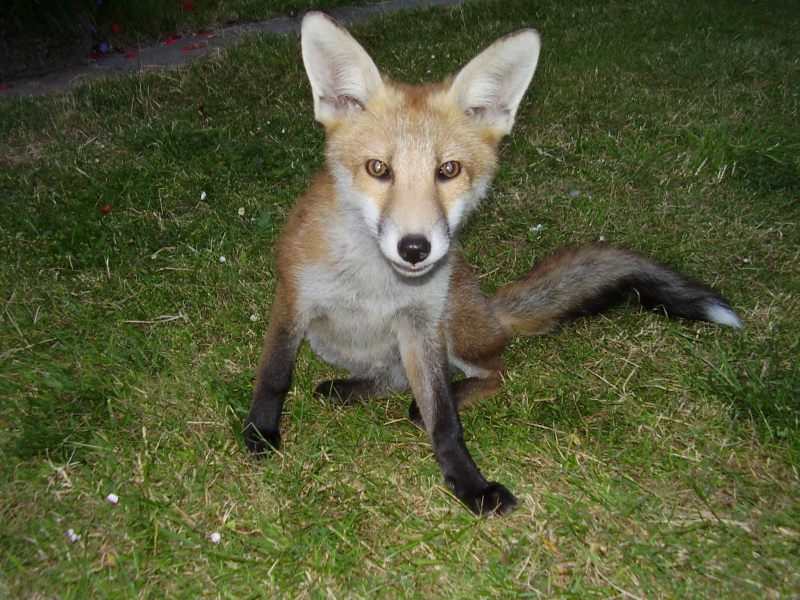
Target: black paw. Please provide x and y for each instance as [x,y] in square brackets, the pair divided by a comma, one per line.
[494,499]
[260,442]
[326,389]
[338,391]
[414,415]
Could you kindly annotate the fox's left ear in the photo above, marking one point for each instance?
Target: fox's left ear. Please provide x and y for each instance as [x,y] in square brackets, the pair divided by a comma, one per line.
[342,75]
[492,84]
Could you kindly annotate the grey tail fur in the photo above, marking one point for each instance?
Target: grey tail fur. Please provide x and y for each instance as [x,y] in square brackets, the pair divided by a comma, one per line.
[586,280]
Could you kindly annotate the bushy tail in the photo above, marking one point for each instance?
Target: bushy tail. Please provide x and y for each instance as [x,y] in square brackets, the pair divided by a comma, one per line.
[586,280]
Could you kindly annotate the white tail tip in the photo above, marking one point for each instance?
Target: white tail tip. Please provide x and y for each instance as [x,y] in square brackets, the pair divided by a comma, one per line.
[723,315]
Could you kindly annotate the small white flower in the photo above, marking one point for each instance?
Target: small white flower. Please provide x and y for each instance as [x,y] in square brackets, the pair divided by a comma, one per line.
[222,259]
[536,228]
[113,498]
[215,538]
[575,193]
[433,56]
[240,212]
[72,536]
[202,196]
[283,130]
[746,260]
[254,317]
[602,238]
[96,160]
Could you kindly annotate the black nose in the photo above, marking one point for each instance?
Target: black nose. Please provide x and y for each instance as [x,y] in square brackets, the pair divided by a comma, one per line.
[414,248]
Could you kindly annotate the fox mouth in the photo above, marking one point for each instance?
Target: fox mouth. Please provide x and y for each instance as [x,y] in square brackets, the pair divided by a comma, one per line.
[408,270]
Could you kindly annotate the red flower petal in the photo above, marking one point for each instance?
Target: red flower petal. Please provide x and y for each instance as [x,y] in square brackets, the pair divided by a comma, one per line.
[116,27]
[188,5]
[131,55]
[172,39]
[105,209]
[4,87]
[191,47]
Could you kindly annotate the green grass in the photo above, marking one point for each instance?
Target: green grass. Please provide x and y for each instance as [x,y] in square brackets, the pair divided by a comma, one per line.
[652,458]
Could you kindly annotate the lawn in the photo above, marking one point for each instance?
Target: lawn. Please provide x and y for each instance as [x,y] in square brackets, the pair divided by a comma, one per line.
[653,458]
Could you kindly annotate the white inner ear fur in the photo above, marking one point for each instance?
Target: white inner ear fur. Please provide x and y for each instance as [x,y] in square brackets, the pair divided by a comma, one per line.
[492,84]
[342,75]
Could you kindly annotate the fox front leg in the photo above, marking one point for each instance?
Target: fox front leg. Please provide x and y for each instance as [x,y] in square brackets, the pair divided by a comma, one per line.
[424,355]
[262,426]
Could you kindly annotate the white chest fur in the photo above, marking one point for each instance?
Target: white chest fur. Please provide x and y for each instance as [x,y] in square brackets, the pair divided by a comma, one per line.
[353,307]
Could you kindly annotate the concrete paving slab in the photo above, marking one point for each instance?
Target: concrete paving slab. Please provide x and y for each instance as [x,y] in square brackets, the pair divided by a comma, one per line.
[177,52]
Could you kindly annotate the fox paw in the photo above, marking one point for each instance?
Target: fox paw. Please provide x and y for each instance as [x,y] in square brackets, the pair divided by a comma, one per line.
[494,499]
[260,442]
[414,415]
[342,391]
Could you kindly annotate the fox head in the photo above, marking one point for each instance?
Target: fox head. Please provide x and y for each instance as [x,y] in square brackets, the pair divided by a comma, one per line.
[412,161]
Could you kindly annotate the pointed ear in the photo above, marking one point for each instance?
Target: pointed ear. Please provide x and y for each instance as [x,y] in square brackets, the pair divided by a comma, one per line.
[490,88]
[342,75]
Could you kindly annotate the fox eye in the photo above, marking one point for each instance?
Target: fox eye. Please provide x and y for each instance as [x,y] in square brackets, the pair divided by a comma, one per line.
[378,169]
[449,169]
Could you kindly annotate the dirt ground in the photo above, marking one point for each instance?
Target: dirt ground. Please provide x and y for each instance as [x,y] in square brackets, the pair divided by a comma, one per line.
[39,48]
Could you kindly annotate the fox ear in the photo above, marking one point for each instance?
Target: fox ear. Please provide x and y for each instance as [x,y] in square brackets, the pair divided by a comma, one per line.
[342,75]
[490,88]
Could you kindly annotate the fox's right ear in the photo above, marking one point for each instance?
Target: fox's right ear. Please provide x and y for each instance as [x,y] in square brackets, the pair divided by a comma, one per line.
[490,88]
[342,75]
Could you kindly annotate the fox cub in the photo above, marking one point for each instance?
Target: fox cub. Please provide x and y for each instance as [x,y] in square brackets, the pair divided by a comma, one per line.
[369,271]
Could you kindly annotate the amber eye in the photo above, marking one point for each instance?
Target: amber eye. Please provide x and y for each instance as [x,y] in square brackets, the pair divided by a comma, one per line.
[449,169]
[378,169]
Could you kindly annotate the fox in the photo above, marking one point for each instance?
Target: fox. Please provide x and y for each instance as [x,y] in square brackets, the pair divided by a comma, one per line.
[369,270]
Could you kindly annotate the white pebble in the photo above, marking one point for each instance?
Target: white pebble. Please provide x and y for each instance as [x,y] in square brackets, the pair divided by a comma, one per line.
[215,538]
[202,195]
[222,259]
[72,536]
[113,498]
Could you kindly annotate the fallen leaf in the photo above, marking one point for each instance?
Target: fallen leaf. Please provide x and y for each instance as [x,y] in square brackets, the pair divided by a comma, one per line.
[191,47]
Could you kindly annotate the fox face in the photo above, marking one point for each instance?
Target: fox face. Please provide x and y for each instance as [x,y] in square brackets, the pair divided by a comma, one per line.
[414,169]
[413,162]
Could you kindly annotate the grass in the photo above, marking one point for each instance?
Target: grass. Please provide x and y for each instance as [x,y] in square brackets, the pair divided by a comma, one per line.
[652,458]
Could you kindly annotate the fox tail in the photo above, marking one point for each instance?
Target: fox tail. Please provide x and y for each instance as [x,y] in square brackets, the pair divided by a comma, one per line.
[586,280]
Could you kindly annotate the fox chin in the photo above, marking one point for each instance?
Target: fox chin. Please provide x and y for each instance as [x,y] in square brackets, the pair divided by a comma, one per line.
[369,269]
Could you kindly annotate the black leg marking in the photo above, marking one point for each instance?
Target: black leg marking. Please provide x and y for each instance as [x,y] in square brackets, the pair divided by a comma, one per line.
[425,361]
[262,426]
